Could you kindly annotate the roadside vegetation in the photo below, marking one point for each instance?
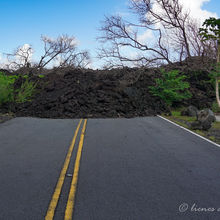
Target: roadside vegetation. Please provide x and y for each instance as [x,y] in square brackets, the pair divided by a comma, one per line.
[213,133]
[215,108]
[211,31]
[6,88]
[171,87]
[11,93]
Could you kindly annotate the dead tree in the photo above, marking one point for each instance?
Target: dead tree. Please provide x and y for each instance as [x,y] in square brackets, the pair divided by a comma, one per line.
[74,59]
[59,52]
[20,58]
[53,48]
[175,35]
[64,51]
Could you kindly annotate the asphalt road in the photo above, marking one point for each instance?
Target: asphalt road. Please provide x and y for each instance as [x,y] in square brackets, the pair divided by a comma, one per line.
[130,169]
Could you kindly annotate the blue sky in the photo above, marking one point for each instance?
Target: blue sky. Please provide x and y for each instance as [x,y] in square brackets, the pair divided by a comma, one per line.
[24,21]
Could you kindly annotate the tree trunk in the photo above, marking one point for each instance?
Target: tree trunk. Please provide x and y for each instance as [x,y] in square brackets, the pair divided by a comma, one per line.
[217,78]
[217,91]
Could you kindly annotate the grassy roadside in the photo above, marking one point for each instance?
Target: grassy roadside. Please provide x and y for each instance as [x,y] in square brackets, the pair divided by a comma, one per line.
[212,134]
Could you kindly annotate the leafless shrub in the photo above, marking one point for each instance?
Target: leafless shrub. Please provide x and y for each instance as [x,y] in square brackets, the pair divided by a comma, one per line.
[74,59]
[63,48]
[60,52]
[20,58]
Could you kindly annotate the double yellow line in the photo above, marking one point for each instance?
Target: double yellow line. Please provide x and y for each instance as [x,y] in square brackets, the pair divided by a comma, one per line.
[72,192]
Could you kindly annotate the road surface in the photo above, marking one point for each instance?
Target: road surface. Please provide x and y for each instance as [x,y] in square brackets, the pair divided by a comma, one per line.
[129,169]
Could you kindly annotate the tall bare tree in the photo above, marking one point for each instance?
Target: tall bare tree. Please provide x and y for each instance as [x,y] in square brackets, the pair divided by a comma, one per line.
[55,47]
[174,35]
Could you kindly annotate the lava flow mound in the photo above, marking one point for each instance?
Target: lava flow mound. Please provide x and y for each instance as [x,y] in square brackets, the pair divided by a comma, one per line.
[88,93]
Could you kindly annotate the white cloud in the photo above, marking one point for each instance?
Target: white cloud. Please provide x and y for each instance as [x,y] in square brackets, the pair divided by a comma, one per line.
[193,7]
[24,51]
[3,61]
[196,9]
[20,53]
[147,35]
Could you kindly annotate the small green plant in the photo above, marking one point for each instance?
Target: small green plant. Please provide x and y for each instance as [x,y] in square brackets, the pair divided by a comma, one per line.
[171,87]
[215,107]
[6,88]
[7,92]
[25,92]
[214,73]
[41,76]
[24,76]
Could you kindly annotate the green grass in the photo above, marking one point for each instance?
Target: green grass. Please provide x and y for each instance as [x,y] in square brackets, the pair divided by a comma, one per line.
[216,125]
[176,113]
[183,120]
[212,138]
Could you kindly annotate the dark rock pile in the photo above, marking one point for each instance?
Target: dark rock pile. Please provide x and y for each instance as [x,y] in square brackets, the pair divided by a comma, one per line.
[66,93]
[204,121]
[79,93]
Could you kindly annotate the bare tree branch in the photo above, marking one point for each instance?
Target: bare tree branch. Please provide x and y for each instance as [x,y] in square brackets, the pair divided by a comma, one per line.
[63,50]
[175,34]
[53,48]
[21,57]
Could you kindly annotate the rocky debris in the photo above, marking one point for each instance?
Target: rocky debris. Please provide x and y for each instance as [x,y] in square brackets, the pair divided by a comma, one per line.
[204,121]
[76,94]
[206,114]
[191,111]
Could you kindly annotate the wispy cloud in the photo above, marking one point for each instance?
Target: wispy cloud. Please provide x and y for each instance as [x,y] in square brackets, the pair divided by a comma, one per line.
[145,36]
[3,61]
[196,9]
[18,57]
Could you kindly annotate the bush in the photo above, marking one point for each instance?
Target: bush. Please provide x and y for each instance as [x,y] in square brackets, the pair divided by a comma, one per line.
[171,87]
[6,88]
[25,92]
[7,92]
[215,107]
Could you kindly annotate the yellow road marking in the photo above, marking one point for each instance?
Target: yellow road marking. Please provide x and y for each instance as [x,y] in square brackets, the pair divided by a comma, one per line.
[72,193]
[56,195]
